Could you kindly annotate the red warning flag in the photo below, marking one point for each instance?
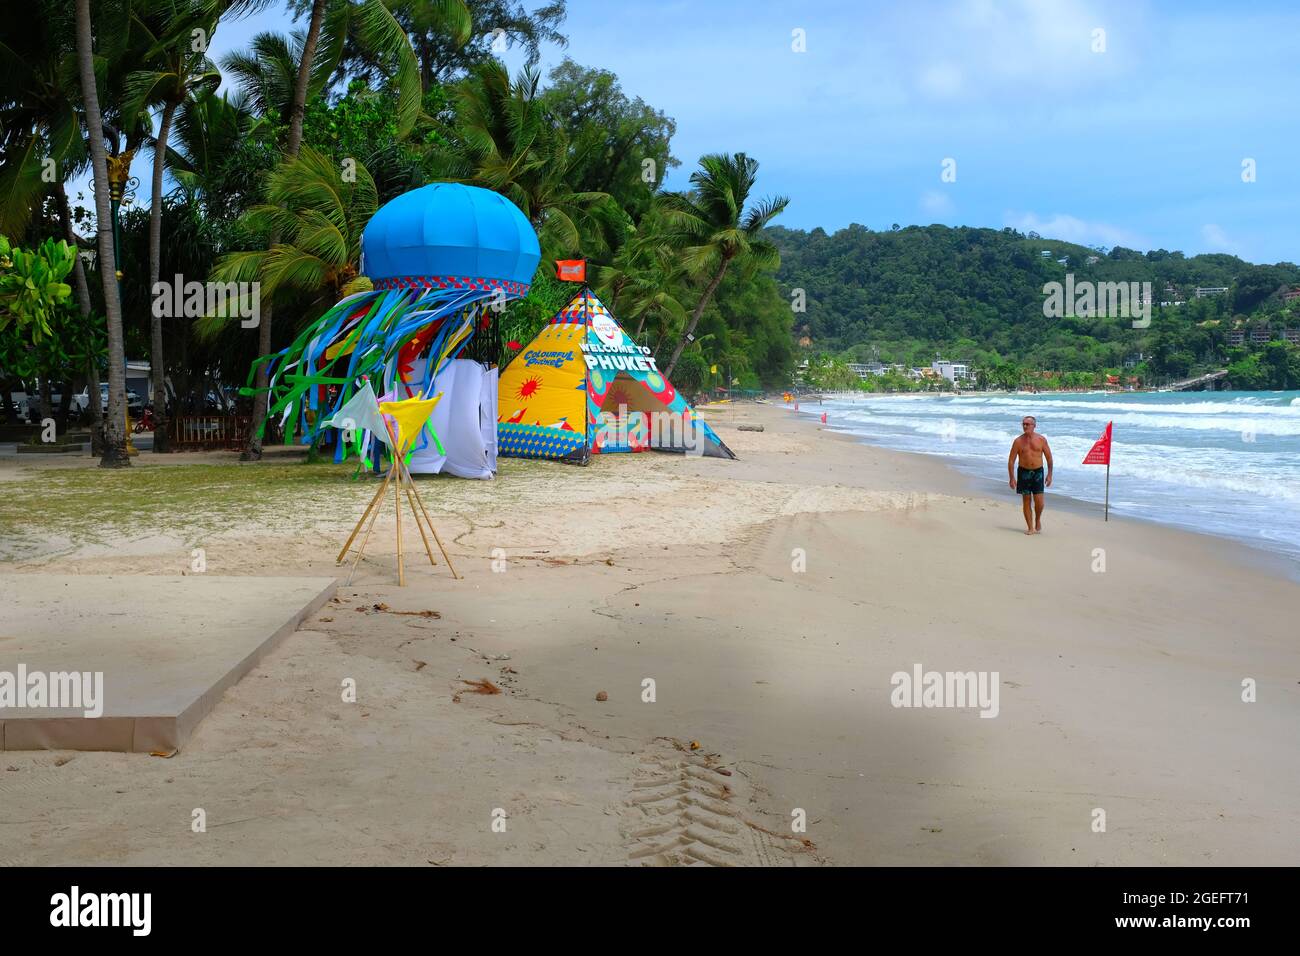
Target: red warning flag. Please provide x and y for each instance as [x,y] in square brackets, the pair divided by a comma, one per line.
[1099,454]
[571,270]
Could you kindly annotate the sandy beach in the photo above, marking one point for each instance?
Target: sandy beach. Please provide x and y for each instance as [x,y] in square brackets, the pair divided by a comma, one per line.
[768,600]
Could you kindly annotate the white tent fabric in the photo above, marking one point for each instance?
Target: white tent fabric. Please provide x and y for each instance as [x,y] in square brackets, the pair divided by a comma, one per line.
[488,419]
[465,420]
[361,414]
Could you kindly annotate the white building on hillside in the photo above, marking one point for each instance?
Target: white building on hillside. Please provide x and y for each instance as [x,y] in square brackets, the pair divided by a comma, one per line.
[863,369]
[952,371]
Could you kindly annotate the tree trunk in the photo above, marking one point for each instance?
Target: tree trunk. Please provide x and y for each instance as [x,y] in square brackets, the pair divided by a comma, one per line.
[695,317]
[261,380]
[78,272]
[93,408]
[426,63]
[157,359]
[61,413]
[44,402]
[304,78]
[115,428]
[183,372]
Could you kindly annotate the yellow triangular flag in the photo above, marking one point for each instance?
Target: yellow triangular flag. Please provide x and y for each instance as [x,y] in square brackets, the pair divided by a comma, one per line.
[409,415]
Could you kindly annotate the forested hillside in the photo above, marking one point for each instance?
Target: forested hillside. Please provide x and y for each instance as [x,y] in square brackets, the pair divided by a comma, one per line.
[977,295]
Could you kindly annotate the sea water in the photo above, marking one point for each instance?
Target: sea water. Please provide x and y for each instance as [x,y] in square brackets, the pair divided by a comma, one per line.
[1224,463]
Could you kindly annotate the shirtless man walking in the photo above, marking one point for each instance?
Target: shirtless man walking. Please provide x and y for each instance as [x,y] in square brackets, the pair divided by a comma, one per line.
[1030,449]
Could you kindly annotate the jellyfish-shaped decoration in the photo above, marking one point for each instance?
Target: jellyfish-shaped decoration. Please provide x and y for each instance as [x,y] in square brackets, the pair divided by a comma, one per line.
[439,258]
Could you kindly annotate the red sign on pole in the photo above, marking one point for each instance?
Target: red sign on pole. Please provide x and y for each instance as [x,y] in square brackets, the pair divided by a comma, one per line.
[571,270]
[1099,454]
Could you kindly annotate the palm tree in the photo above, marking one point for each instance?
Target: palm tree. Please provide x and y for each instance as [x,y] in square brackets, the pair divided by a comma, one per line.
[320,216]
[373,25]
[40,122]
[215,139]
[179,69]
[711,227]
[271,94]
[267,72]
[643,279]
[38,112]
[509,143]
[360,39]
[444,42]
[115,428]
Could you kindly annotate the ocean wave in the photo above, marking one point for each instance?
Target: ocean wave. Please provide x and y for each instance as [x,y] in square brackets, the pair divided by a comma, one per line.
[1273,476]
[1273,406]
[1149,417]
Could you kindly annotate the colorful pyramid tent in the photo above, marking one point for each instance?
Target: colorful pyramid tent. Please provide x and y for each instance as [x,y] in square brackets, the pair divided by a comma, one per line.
[583,387]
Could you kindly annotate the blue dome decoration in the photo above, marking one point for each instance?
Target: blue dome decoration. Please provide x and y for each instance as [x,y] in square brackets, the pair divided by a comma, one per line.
[441,260]
[447,233]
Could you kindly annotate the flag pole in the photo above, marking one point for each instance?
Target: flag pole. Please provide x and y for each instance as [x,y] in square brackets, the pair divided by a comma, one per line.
[1107,490]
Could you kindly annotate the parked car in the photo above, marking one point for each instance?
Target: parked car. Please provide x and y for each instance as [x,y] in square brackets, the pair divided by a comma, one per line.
[134,404]
[18,406]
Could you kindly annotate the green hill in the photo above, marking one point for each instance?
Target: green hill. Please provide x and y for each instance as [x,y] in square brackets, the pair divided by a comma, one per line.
[977,295]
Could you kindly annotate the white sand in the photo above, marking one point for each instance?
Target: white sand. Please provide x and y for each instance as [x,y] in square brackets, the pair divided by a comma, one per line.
[1119,691]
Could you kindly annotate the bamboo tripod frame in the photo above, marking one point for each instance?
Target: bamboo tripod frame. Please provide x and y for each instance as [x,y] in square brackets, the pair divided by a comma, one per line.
[405,483]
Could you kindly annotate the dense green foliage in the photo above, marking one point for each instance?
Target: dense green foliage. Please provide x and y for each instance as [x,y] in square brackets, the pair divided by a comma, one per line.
[976,295]
[394,94]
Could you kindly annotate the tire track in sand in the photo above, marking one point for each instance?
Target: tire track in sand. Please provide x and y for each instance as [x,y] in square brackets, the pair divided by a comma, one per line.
[683,812]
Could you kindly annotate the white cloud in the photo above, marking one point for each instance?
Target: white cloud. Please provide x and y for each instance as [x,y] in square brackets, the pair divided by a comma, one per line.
[1073,229]
[970,49]
[1216,240]
[937,203]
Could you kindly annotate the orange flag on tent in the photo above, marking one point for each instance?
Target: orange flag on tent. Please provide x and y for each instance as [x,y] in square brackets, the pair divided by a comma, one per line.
[571,270]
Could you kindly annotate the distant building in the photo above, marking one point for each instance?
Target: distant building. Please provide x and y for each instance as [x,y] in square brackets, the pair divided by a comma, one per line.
[1235,337]
[866,369]
[1291,336]
[1134,359]
[1260,335]
[952,371]
[1201,293]
[1046,253]
[1291,296]
[1093,260]
[1064,260]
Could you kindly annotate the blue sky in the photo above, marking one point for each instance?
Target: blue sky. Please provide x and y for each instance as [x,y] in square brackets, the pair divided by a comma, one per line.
[1140,144]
